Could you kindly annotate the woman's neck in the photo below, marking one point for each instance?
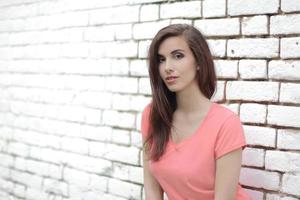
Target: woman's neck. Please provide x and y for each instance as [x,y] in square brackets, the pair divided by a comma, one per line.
[191,100]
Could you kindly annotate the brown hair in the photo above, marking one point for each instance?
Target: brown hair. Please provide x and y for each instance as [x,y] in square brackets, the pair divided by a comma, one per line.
[164,101]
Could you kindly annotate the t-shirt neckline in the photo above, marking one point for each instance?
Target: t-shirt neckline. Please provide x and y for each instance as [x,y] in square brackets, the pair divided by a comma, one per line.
[201,124]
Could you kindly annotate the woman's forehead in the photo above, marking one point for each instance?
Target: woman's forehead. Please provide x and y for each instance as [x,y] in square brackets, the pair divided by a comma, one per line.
[171,44]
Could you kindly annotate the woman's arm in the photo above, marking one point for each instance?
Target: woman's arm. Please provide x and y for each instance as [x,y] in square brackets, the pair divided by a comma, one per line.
[153,190]
[228,169]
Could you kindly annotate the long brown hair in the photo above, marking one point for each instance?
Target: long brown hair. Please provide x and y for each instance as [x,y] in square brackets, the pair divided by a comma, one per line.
[164,101]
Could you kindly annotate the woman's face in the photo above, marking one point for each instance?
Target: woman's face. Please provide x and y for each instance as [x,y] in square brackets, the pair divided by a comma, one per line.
[177,64]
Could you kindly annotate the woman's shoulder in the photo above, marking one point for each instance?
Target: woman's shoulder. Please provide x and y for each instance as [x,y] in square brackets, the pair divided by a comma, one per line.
[224,112]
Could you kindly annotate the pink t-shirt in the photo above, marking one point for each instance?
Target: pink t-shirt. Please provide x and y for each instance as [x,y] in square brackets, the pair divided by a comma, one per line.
[186,171]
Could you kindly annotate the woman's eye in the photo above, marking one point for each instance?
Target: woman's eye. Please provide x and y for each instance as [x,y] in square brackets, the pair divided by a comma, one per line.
[178,55]
[160,60]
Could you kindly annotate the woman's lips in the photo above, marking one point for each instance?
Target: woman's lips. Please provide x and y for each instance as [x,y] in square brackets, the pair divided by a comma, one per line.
[171,79]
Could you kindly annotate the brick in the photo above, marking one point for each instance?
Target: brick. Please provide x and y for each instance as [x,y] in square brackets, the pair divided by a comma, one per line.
[254,194]
[253,113]
[99,33]
[121,102]
[261,136]
[92,99]
[226,68]
[136,139]
[219,94]
[253,69]
[135,174]
[214,8]
[121,84]
[138,67]
[256,48]
[218,27]
[118,119]
[257,25]
[252,90]
[120,67]
[37,167]
[144,86]
[27,179]
[122,14]
[129,190]
[288,69]
[282,161]
[290,184]
[181,21]
[121,136]
[260,178]
[181,9]
[123,31]
[278,197]
[60,20]
[55,187]
[290,5]
[148,30]
[17,148]
[283,115]
[96,133]
[290,92]
[35,194]
[137,103]
[285,24]
[19,190]
[118,49]
[76,145]
[76,177]
[4,173]
[149,13]
[144,48]
[114,152]
[217,47]
[288,139]
[290,47]
[253,157]
[251,7]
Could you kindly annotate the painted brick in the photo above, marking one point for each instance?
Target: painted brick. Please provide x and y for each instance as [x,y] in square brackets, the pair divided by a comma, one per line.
[252,90]
[253,113]
[181,9]
[138,68]
[290,184]
[260,178]
[226,68]
[128,191]
[149,13]
[276,160]
[288,139]
[260,136]
[147,30]
[253,157]
[122,14]
[257,25]
[288,70]
[217,47]
[290,92]
[285,24]
[290,47]
[214,8]
[283,115]
[250,7]
[218,27]
[290,5]
[253,69]
[256,48]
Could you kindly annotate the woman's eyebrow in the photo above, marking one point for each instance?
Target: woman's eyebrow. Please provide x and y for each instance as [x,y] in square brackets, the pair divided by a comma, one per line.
[174,51]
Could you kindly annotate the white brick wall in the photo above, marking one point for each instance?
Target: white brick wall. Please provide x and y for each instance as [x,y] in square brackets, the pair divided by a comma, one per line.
[74,80]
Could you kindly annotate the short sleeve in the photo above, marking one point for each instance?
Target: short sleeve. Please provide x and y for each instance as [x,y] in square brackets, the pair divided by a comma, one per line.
[230,136]
[145,121]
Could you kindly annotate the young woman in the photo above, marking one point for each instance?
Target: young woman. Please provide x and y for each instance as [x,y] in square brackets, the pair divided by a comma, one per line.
[192,146]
